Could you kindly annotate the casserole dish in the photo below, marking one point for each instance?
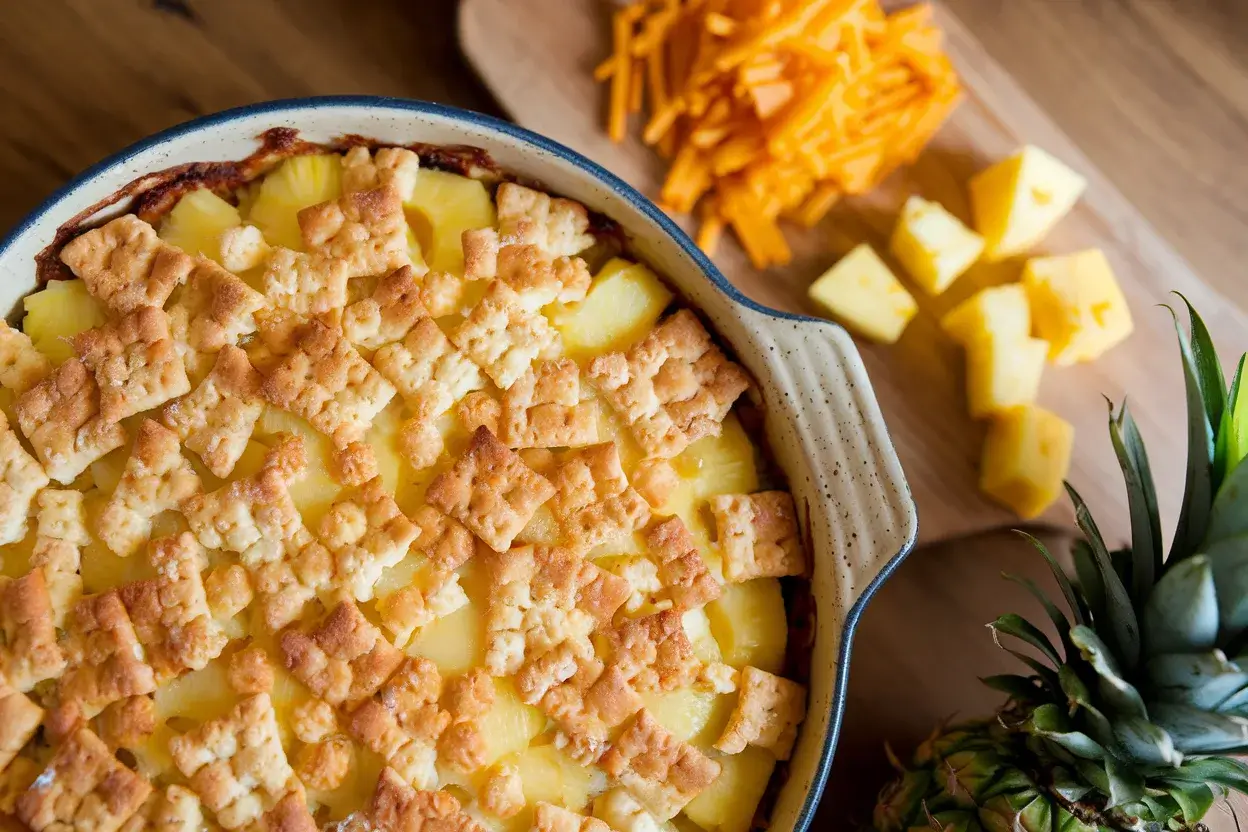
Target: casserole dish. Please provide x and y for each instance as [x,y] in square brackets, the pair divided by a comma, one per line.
[823,426]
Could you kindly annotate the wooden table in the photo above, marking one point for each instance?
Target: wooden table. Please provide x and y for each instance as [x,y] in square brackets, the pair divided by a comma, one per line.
[1154,91]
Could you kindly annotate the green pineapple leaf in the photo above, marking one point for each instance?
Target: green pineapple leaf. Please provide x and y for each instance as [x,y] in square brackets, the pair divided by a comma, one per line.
[1022,688]
[1060,622]
[1208,366]
[1079,701]
[1221,771]
[1146,541]
[1195,731]
[1203,680]
[1194,799]
[1181,615]
[1118,693]
[1048,723]
[1125,783]
[1198,490]
[1078,606]
[1145,743]
[1089,578]
[1124,628]
[1229,559]
[1231,444]
[1228,517]
[1012,624]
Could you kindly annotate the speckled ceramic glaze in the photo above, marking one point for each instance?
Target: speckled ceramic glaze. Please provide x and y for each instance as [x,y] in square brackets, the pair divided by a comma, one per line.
[823,423]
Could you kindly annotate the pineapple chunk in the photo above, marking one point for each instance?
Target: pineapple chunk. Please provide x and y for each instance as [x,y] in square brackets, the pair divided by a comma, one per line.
[316,490]
[197,222]
[107,470]
[455,643]
[1076,305]
[750,625]
[1017,202]
[1000,312]
[691,715]
[550,776]
[510,725]
[383,436]
[1026,457]
[1002,373]
[355,791]
[293,185]
[933,245]
[443,206]
[15,557]
[61,310]
[713,465]
[861,293]
[199,695]
[624,302]
[728,804]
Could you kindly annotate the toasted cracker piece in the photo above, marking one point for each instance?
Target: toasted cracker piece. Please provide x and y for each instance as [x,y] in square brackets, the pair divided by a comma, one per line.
[306,284]
[766,715]
[758,535]
[156,478]
[560,227]
[313,720]
[324,765]
[686,581]
[21,477]
[661,771]
[466,698]
[653,652]
[84,787]
[170,612]
[61,534]
[126,266]
[367,534]
[323,379]
[537,277]
[656,480]
[176,809]
[395,167]
[480,410]
[672,388]
[548,817]
[214,310]
[481,247]
[443,293]
[127,723]
[136,364]
[588,708]
[444,540]
[236,764]
[344,660]
[228,590]
[16,779]
[403,722]
[388,314]
[409,609]
[547,408]
[250,671]
[623,811]
[365,230]
[286,585]
[61,417]
[29,652]
[21,365]
[593,501]
[217,418]
[244,248]
[503,337]
[643,578]
[291,814]
[396,807]
[19,719]
[502,793]
[490,490]
[105,657]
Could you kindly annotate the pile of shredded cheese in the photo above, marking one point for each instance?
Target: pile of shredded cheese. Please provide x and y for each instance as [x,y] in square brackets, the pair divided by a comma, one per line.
[773,109]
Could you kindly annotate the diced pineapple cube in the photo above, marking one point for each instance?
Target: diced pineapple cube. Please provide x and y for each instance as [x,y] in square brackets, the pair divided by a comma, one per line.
[933,245]
[316,490]
[1076,305]
[293,185]
[728,804]
[691,715]
[197,222]
[863,294]
[1002,373]
[62,309]
[1017,202]
[455,643]
[443,206]
[624,302]
[999,312]
[750,625]
[1026,457]
[510,725]
[549,775]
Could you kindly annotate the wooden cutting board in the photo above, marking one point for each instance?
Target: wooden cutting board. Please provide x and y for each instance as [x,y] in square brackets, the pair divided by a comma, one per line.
[536,56]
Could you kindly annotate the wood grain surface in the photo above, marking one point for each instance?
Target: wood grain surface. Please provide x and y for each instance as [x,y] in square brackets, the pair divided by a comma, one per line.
[1154,92]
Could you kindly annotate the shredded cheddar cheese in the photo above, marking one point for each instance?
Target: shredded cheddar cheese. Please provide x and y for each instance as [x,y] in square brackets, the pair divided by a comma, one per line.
[775,109]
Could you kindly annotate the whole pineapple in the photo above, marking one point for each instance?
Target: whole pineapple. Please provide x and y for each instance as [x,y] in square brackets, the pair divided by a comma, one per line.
[1127,722]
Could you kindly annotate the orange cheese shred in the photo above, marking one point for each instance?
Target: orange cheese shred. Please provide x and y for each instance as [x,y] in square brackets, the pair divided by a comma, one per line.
[773,110]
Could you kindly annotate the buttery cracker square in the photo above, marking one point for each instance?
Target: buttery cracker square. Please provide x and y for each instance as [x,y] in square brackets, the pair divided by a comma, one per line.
[126,265]
[593,501]
[59,538]
[388,314]
[303,283]
[84,788]
[503,337]
[395,167]
[367,534]
[403,721]
[21,477]
[767,714]
[61,417]
[29,653]
[217,418]
[539,280]
[19,720]
[397,807]
[684,577]
[560,227]
[653,652]
[344,659]
[21,365]
[660,770]
[546,408]
[758,535]
[135,361]
[427,370]
[365,230]
[548,817]
[105,656]
[214,310]
[490,490]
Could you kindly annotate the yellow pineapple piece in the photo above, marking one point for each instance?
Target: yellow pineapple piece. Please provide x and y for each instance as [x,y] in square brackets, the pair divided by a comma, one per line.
[698,629]
[749,624]
[691,715]
[102,569]
[455,643]
[15,557]
[197,222]
[863,294]
[59,311]
[728,804]
[443,206]
[355,791]
[197,696]
[1001,312]
[933,245]
[316,490]
[1017,202]
[724,464]
[510,725]
[107,470]
[1076,305]
[8,404]
[383,436]
[1002,373]
[624,302]
[1026,458]
[550,776]
[286,190]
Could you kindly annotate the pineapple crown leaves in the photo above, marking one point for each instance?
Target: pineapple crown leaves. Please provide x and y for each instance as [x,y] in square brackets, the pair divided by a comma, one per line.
[1147,688]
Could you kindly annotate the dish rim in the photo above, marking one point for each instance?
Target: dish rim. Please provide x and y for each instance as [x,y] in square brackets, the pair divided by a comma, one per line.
[620,189]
